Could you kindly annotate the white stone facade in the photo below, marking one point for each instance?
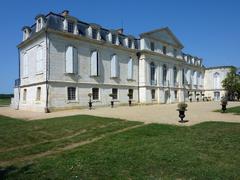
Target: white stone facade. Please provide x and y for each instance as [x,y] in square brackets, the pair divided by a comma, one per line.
[63,59]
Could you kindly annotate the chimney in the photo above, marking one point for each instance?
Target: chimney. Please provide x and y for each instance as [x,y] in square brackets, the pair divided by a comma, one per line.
[119,31]
[65,13]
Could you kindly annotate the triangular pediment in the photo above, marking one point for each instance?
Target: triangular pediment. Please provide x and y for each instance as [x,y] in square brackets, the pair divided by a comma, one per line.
[164,35]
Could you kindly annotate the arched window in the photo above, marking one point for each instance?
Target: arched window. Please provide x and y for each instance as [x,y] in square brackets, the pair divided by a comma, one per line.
[94,63]
[153,73]
[164,73]
[216,80]
[130,68]
[114,66]
[174,75]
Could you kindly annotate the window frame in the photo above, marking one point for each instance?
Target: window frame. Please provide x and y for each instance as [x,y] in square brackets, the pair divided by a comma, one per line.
[74,95]
[70,26]
[38,94]
[153,78]
[115,96]
[153,95]
[98,94]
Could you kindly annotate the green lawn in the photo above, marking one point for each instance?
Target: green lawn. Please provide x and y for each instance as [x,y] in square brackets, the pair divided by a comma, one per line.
[5,101]
[204,151]
[234,110]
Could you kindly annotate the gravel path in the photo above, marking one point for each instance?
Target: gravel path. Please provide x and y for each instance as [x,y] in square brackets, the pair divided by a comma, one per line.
[163,113]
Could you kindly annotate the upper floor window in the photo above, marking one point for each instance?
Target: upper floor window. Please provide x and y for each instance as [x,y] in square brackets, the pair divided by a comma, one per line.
[94,63]
[114,66]
[130,68]
[25,65]
[183,76]
[39,64]
[153,74]
[71,60]
[70,26]
[164,50]
[152,46]
[95,93]
[216,80]
[174,75]
[164,73]
[71,92]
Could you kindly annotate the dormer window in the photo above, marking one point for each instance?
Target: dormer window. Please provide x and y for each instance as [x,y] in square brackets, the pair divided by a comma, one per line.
[164,50]
[39,24]
[94,33]
[129,43]
[26,32]
[40,20]
[175,53]
[70,27]
[152,46]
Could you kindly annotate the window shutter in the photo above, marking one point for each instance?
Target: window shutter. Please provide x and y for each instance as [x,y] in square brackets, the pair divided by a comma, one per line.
[94,64]
[69,59]
[39,63]
[113,64]
[130,69]
[25,65]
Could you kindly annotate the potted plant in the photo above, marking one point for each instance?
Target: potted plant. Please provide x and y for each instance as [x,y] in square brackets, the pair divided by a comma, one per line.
[90,100]
[224,103]
[129,99]
[112,102]
[182,107]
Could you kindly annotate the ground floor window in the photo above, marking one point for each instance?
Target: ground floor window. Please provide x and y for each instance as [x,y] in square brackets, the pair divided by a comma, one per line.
[115,93]
[71,93]
[24,94]
[95,93]
[217,95]
[38,97]
[153,93]
[130,93]
[175,94]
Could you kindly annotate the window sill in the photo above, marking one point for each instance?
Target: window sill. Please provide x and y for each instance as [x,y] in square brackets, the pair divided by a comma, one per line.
[39,73]
[94,76]
[72,101]
[37,102]
[114,77]
[96,101]
[130,80]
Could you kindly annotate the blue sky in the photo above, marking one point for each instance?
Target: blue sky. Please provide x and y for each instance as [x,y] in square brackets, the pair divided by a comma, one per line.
[209,29]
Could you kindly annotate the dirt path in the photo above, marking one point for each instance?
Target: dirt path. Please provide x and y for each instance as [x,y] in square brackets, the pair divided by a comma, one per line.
[162,113]
[68,147]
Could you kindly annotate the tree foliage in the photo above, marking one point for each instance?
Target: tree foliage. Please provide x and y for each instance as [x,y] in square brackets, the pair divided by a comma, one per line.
[232,84]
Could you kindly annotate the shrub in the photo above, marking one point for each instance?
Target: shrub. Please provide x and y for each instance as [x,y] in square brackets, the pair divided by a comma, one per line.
[182,106]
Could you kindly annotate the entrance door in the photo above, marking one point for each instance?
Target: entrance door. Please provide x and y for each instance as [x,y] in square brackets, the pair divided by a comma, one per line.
[216,95]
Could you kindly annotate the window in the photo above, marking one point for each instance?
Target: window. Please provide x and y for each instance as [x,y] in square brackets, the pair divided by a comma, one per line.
[175,52]
[130,68]
[95,93]
[189,76]
[153,74]
[39,24]
[152,46]
[114,66]
[164,73]
[216,80]
[195,77]
[38,97]
[24,94]
[130,93]
[115,93]
[183,76]
[94,33]
[71,93]
[175,94]
[39,64]
[164,50]
[153,94]
[71,60]
[129,43]
[70,27]
[174,75]
[94,63]
[25,65]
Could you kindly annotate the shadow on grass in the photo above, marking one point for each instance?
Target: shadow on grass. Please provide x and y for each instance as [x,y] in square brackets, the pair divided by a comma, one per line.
[4,171]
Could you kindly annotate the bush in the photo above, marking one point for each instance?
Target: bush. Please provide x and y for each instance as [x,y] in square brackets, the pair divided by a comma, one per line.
[224,101]
[182,106]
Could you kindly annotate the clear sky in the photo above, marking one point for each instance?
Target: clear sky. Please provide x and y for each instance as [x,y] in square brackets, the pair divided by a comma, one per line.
[209,29]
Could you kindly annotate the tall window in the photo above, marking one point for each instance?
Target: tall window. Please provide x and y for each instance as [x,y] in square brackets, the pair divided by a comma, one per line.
[174,75]
[24,94]
[216,80]
[71,60]
[152,46]
[94,64]
[195,77]
[25,65]
[153,94]
[153,73]
[39,65]
[114,66]
[164,73]
[38,97]
[175,94]
[183,76]
[130,93]
[95,93]
[70,27]
[115,93]
[164,50]
[39,24]
[94,33]
[129,43]
[71,93]
[130,68]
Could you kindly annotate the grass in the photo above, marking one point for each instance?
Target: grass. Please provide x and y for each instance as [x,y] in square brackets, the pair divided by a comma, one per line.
[5,101]
[205,151]
[234,110]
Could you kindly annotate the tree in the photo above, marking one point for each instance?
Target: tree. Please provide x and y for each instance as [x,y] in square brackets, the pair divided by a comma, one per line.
[232,84]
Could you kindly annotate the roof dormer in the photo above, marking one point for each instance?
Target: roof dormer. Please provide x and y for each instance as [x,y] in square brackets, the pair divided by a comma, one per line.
[69,23]
[26,32]
[95,31]
[40,22]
